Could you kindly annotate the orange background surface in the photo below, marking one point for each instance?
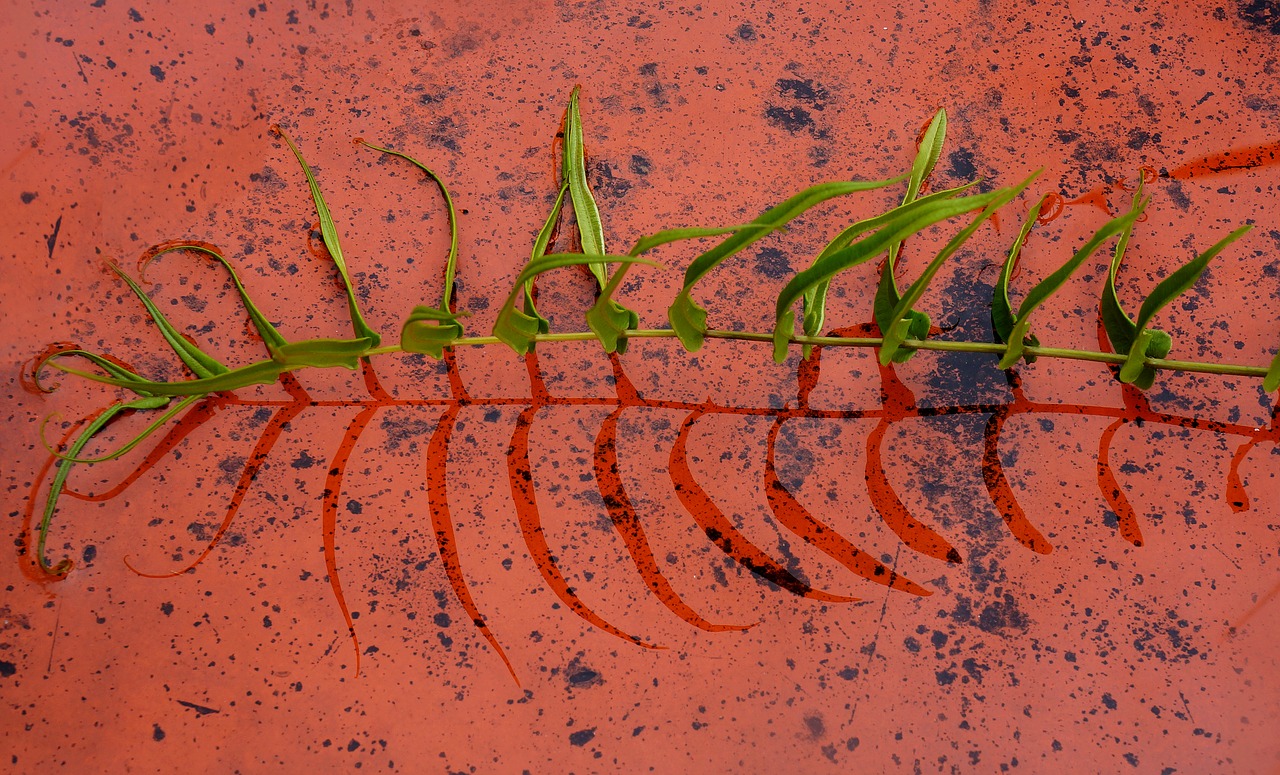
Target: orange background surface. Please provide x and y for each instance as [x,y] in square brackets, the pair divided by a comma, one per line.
[128,124]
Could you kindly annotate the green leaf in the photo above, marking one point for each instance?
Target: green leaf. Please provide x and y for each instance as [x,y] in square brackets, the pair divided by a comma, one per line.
[540,245]
[1018,337]
[1120,329]
[266,330]
[905,319]
[1002,317]
[930,150]
[590,228]
[1151,343]
[1157,344]
[907,220]
[155,402]
[451,264]
[261,373]
[610,320]
[518,329]
[65,565]
[106,364]
[688,319]
[814,301]
[322,353]
[782,336]
[667,236]
[887,295]
[201,365]
[329,232]
[1183,278]
[1272,381]
[429,331]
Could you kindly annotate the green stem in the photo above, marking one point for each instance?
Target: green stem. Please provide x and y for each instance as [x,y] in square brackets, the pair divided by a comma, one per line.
[875,341]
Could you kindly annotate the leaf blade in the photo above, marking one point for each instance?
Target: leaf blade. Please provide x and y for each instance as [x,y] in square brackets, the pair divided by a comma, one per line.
[587,214]
[687,317]
[200,363]
[1040,293]
[451,262]
[516,329]
[265,328]
[902,313]
[329,233]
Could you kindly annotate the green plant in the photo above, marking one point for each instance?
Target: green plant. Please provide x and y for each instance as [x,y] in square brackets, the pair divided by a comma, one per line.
[899,332]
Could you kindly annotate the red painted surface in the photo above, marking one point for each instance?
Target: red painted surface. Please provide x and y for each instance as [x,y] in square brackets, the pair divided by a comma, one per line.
[546,501]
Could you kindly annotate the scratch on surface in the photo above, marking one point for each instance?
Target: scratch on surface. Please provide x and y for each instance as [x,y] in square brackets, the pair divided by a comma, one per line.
[871,652]
[1186,707]
[57,626]
[76,57]
[200,710]
[52,240]
[1254,609]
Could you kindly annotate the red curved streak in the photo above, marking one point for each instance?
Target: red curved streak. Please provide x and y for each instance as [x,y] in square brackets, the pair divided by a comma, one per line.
[442,524]
[722,531]
[627,524]
[796,518]
[329,515]
[520,474]
[1237,498]
[371,382]
[1110,487]
[195,417]
[1236,495]
[912,531]
[1001,493]
[261,451]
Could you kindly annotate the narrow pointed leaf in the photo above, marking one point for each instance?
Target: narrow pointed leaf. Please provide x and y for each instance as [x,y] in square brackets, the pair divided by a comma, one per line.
[814,301]
[201,364]
[518,329]
[329,233]
[64,469]
[1120,329]
[688,318]
[429,331]
[540,245]
[1018,336]
[887,295]
[265,329]
[261,373]
[610,320]
[1153,343]
[1002,317]
[590,228]
[106,364]
[908,219]
[902,314]
[1181,280]
[155,402]
[928,154]
[451,263]
[645,244]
